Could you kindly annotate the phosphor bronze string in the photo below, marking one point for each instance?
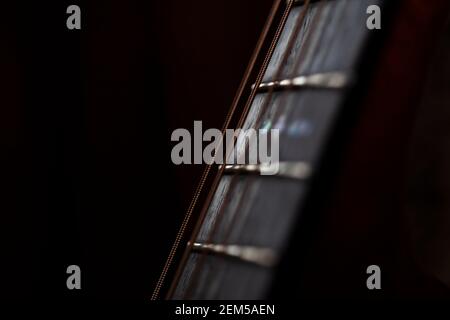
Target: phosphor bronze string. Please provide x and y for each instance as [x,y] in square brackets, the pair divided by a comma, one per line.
[266,103]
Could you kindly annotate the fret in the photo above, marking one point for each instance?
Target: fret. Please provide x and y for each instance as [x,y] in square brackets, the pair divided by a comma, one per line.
[330,80]
[264,257]
[292,170]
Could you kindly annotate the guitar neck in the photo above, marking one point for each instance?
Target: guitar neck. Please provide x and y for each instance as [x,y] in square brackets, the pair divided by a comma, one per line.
[249,219]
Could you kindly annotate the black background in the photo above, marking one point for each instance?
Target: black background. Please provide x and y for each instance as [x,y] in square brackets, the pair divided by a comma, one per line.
[85,123]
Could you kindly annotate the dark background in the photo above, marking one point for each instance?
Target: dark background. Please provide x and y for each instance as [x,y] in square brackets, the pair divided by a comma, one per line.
[85,124]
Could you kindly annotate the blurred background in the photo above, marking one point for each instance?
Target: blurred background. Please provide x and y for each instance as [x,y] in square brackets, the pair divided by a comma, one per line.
[85,124]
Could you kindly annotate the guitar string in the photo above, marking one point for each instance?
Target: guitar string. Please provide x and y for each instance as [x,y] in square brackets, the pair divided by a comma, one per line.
[249,182]
[187,217]
[274,11]
[266,103]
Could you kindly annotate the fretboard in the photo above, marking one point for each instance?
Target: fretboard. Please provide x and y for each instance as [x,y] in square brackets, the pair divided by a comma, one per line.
[250,217]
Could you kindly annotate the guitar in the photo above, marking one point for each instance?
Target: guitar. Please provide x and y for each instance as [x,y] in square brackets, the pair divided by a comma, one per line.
[343,96]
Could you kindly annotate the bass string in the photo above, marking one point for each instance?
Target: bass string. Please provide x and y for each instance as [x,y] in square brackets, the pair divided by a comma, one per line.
[266,103]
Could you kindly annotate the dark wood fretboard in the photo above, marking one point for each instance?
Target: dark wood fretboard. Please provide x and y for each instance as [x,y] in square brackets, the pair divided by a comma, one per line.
[251,217]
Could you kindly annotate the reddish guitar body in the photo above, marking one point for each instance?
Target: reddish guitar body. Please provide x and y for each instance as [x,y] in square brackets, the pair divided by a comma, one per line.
[363,221]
